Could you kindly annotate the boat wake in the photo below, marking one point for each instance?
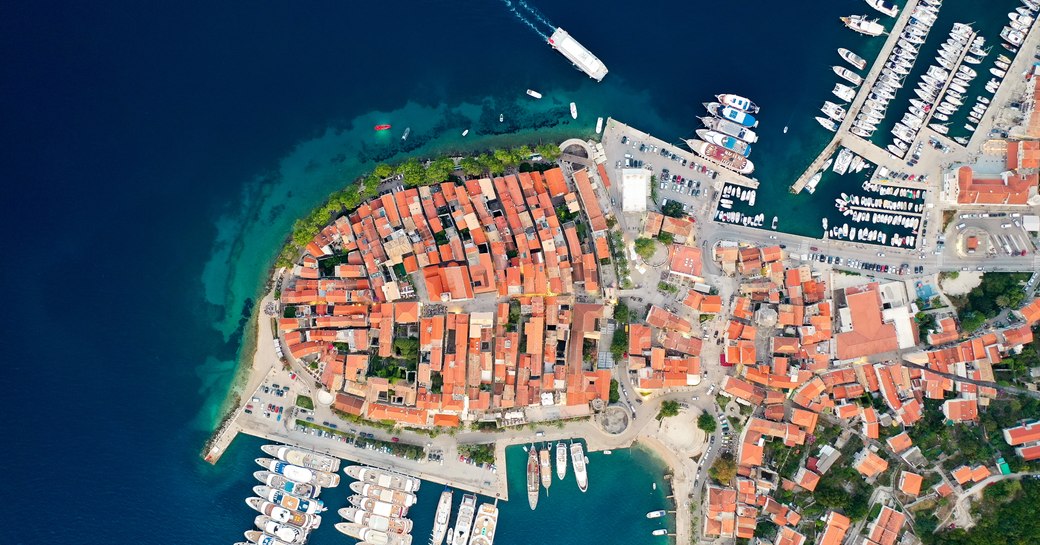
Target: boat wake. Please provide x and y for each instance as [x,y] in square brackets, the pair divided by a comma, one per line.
[523,18]
[537,14]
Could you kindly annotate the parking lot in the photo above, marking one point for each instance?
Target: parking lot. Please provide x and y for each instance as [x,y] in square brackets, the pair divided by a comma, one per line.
[678,175]
[996,234]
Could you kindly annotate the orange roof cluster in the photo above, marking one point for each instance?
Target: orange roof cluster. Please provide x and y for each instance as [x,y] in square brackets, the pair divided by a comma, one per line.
[684,261]
[868,334]
[720,513]
[1015,186]
[1031,312]
[869,464]
[837,525]
[886,527]
[1026,439]
[497,237]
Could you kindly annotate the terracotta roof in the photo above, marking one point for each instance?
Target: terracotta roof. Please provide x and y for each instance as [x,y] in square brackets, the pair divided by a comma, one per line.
[1020,435]
[910,483]
[869,335]
[900,442]
[1015,190]
[684,260]
[870,464]
[885,529]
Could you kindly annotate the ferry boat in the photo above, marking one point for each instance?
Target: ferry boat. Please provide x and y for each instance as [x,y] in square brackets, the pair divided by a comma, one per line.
[483,532]
[288,501]
[599,125]
[581,58]
[730,128]
[303,458]
[376,522]
[728,142]
[731,114]
[388,495]
[381,508]
[299,474]
[442,517]
[721,156]
[561,460]
[545,468]
[464,521]
[375,537]
[884,7]
[578,461]
[280,482]
[574,111]
[532,478]
[656,514]
[289,534]
[283,515]
[260,538]
[738,102]
[861,24]
[383,478]
[855,60]
[848,75]
[533,93]
[382,127]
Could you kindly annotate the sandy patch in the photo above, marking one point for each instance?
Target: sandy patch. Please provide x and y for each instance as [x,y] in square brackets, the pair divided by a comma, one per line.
[681,434]
[961,285]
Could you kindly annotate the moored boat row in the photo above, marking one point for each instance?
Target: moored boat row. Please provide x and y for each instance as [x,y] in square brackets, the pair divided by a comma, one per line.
[287,498]
[379,507]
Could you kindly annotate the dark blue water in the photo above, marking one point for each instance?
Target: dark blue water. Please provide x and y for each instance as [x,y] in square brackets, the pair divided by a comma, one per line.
[153,156]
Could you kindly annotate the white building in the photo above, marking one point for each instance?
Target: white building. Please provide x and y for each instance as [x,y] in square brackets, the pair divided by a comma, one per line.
[635,189]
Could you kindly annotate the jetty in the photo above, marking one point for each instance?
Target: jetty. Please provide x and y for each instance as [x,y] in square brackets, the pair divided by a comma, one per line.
[843,136]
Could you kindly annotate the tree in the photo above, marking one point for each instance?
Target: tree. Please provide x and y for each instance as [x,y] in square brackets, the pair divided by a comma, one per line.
[706,422]
[412,171]
[549,151]
[438,171]
[471,166]
[673,209]
[668,408]
[615,395]
[645,248]
[383,170]
[665,237]
[724,469]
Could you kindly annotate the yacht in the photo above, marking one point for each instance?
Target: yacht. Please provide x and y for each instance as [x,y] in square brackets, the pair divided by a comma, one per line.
[464,520]
[884,7]
[578,461]
[828,124]
[574,111]
[844,92]
[848,75]
[442,517]
[941,116]
[855,60]
[533,94]
[374,521]
[561,460]
[863,25]
[941,129]
[738,102]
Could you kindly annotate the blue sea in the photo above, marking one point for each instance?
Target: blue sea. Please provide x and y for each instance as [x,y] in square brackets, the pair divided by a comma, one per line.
[155,154]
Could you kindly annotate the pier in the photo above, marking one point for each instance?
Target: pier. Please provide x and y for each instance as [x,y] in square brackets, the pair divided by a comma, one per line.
[942,92]
[858,145]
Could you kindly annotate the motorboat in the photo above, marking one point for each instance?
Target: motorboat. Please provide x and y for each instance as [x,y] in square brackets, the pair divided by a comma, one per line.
[855,60]
[828,124]
[941,116]
[941,129]
[844,92]
[959,88]
[967,70]
[863,25]
[848,75]
[997,72]
[884,7]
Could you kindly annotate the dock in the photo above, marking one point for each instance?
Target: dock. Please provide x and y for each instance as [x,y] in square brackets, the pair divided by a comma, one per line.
[842,136]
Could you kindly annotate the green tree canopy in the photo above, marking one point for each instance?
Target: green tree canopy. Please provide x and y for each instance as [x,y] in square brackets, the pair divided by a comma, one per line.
[724,469]
[668,408]
[673,209]
[706,422]
[645,247]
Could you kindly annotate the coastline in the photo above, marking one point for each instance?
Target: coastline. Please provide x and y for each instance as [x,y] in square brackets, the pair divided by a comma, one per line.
[680,484]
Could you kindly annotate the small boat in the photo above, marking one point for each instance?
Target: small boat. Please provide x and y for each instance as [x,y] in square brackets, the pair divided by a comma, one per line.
[656,514]
[574,111]
[501,118]
[855,60]
[599,125]
[465,132]
[532,93]
[997,72]
[738,102]
[775,220]
[660,532]
[785,129]
[382,127]
[848,75]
